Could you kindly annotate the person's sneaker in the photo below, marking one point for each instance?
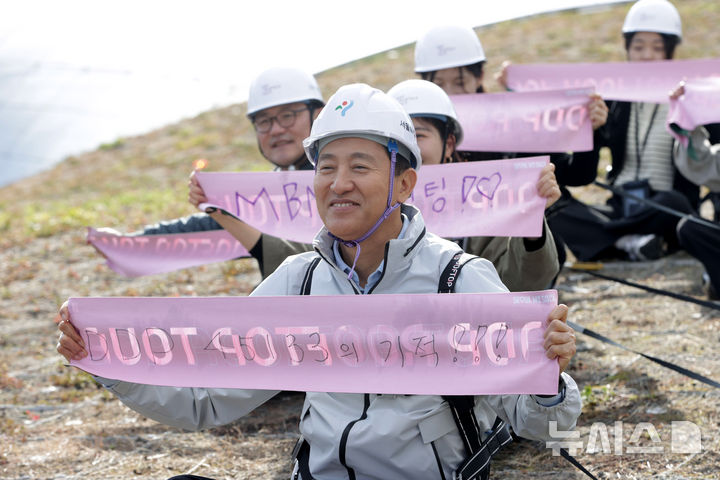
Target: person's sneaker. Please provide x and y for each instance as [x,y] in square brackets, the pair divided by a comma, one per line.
[641,247]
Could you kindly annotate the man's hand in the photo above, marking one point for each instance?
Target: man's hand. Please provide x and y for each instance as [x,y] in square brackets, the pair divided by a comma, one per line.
[501,75]
[559,337]
[547,186]
[196,195]
[70,345]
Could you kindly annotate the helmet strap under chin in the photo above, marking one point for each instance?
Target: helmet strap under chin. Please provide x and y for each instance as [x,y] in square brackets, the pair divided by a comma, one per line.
[393,149]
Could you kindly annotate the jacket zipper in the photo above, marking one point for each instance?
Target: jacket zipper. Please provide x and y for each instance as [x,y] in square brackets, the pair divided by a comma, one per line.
[346,433]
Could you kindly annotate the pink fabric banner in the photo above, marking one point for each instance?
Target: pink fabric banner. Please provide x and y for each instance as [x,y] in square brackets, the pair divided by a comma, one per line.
[549,121]
[391,344]
[628,81]
[700,105]
[495,198]
[135,256]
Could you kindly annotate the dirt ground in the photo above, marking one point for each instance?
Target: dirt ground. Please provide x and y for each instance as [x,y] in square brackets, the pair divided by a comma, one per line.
[55,423]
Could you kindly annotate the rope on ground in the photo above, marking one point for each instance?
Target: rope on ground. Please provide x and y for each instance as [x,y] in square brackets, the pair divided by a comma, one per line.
[659,361]
[658,291]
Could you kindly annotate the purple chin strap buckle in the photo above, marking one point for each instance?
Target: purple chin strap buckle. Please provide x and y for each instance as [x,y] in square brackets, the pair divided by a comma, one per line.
[393,149]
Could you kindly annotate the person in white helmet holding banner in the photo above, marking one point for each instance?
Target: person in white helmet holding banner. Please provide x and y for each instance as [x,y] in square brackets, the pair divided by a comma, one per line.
[282,105]
[522,263]
[366,157]
[453,58]
[642,160]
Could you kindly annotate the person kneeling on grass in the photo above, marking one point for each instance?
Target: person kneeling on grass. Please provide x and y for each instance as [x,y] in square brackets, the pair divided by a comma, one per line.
[366,163]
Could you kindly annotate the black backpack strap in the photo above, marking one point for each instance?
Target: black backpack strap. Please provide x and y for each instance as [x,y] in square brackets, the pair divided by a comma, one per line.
[301,455]
[477,463]
[463,412]
[307,280]
[452,270]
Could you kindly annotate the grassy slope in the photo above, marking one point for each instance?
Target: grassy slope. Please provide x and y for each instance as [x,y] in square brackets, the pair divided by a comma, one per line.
[136,180]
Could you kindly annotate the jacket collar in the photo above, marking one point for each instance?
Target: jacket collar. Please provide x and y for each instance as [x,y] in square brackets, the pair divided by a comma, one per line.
[397,247]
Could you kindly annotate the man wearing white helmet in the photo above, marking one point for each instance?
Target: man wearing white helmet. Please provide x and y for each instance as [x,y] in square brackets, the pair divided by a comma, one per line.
[523,263]
[282,105]
[642,160]
[366,156]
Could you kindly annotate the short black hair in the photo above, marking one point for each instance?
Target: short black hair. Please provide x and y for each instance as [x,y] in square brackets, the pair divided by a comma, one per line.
[669,40]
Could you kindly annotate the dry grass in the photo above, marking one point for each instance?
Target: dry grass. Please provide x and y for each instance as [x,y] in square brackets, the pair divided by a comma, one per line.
[55,423]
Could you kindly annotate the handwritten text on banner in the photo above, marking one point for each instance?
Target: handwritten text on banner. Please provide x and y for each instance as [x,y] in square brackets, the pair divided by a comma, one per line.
[552,121]
[459,344]
[136,255]
[495,198]
[626,81]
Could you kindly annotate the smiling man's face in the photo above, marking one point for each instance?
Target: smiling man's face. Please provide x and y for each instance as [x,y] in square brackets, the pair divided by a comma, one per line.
[351,186]
[283,145]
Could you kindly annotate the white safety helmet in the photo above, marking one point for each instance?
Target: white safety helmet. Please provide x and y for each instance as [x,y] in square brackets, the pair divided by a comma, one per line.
[658,16]
[421,98]
[358,110]
[447,47]
[280,86]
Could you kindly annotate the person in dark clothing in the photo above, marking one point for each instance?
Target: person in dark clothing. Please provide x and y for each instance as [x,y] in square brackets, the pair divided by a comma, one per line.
[699,162]
[642,161]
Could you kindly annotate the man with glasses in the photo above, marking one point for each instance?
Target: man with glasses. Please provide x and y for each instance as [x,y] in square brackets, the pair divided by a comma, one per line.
[282,105]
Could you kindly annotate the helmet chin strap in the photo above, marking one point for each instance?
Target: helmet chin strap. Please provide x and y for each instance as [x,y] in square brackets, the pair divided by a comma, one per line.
[393,149]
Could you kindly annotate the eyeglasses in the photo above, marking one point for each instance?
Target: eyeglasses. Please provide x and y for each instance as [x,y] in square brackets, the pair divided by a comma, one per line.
[285,119]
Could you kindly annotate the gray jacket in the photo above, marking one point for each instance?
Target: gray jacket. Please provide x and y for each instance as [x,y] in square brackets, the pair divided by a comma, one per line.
[375,436]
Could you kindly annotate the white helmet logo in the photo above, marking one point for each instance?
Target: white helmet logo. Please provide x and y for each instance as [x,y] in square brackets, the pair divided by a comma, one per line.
[344,107]
[442,50]
[268,89]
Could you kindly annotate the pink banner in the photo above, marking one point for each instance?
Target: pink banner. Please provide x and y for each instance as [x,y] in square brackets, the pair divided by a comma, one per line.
[134,256]
[700,105]
[552,121]
[627,81]
[496,198]
[391,344]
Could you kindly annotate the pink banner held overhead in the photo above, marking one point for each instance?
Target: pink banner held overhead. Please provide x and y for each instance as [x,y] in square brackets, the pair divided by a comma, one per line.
[137,255]
[626,81]
[497,198]
[390,344]
[550,121]
[700,105]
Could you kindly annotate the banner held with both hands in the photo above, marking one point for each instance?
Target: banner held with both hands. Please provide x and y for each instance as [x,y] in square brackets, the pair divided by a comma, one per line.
[449,344]
[496,198]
